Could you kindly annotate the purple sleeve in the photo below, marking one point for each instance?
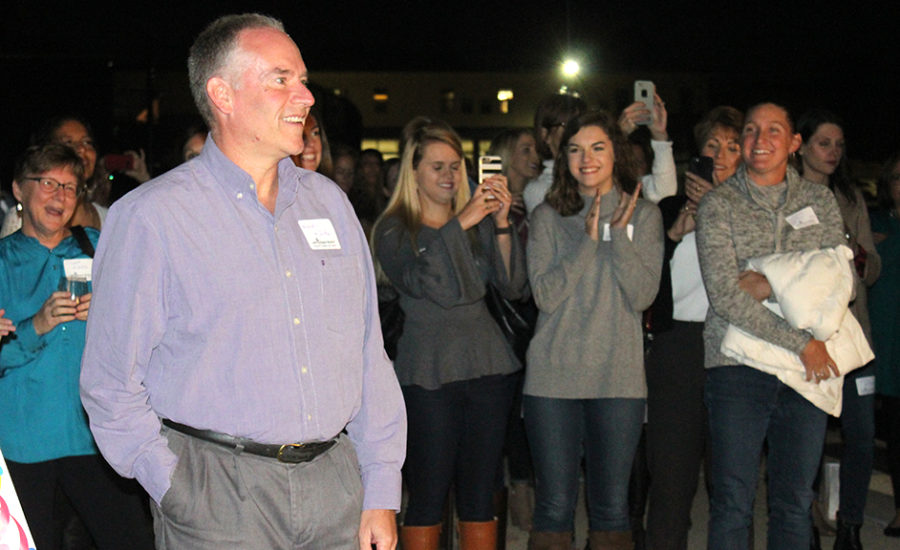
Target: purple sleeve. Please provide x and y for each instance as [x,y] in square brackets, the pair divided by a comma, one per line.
[127,319]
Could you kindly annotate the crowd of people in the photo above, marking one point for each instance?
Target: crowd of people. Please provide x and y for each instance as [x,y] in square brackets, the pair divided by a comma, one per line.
[551,317]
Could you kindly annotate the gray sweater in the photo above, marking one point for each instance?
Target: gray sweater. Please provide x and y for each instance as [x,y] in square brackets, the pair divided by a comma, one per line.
[449,334]
[732,227]
[588,343]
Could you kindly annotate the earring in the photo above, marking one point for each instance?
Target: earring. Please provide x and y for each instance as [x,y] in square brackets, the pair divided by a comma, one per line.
[18,207]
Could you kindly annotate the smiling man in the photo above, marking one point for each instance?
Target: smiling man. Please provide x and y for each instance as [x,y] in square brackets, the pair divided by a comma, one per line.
[234,362]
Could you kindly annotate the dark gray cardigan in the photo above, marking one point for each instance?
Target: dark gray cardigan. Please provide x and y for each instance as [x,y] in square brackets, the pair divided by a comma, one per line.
[449,335]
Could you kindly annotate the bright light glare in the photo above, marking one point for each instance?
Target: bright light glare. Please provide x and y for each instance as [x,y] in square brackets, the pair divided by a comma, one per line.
[570,67]
[504,95]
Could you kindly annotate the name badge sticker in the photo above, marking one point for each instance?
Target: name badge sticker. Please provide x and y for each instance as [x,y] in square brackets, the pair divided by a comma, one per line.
[320,234]
[607,236]
[78,268]
[804,217]
[865,385]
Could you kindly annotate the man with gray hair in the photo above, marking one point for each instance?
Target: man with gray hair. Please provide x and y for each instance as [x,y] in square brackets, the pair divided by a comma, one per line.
[234,362]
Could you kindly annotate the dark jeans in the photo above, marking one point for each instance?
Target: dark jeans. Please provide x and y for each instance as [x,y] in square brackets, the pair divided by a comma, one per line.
[858,434]
[518,456]
[746,408]
[455,435]
[607,430]
[112,508]
[676,432]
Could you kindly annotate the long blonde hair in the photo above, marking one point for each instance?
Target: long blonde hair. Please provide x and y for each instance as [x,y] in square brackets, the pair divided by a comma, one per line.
[404,203]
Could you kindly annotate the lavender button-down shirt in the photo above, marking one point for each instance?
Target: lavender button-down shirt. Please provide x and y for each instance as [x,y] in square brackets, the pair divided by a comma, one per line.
[213,312]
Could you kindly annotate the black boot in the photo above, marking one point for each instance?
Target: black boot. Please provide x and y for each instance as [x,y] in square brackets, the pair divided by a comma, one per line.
[847,536]
[815,543]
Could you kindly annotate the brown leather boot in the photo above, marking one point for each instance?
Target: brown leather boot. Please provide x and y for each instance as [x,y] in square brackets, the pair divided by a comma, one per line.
[478,535]
[610,540]
[547,540]
[414,537]
[521,504]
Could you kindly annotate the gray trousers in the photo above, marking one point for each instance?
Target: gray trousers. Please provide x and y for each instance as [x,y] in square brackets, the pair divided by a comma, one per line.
[220,498]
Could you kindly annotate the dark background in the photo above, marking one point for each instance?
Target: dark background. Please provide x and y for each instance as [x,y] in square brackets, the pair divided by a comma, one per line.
[61,57]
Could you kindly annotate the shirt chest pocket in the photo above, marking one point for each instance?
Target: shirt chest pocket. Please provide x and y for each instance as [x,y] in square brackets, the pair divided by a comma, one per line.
[342,291]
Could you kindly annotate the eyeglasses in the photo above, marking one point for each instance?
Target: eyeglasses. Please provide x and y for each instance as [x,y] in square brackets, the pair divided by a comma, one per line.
[50,186]
[84,143]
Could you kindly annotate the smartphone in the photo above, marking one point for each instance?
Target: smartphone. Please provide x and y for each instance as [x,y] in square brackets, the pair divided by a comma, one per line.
[118,163]
[489,165]
[703,167]
[645,91]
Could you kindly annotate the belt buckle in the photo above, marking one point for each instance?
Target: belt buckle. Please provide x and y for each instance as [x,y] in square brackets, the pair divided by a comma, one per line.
[288,448]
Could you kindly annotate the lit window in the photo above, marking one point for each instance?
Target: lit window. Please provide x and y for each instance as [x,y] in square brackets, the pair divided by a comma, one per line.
[448,100]
[504,97]
[380,99]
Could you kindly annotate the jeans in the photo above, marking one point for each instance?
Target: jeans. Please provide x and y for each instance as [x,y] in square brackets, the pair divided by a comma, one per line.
[858,434]
[455,435]
[747,407]
[608,431]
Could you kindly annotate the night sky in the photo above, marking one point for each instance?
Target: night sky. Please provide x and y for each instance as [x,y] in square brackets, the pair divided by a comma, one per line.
[802,54]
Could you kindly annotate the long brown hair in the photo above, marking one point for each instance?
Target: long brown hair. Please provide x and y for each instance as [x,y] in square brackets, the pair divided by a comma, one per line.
[563,195]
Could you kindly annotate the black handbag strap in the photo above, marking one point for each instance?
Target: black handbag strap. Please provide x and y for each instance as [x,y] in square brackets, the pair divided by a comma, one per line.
[81,236]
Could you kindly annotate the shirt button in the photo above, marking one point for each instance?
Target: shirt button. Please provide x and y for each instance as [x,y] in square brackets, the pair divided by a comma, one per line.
[309,417]
[303,370]
[64,329]
[240,195]
[296,321]
[287,273]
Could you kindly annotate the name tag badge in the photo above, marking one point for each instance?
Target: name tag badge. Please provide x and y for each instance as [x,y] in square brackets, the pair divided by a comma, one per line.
[320,234]
[78,268]
[865,385]
[804,217]
[629,229]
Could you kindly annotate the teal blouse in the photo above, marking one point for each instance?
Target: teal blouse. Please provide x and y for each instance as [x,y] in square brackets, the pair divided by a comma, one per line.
[41,417]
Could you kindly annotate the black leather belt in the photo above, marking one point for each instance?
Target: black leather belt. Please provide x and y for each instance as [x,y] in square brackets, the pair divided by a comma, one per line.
[289,452]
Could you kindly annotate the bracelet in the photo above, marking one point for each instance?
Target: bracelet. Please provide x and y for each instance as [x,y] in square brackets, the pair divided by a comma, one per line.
[503,230]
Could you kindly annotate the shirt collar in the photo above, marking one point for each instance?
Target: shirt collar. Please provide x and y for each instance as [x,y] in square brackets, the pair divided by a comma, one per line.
[235,180]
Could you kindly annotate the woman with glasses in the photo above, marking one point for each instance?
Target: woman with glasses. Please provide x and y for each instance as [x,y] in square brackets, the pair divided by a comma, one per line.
[550,119]
[43,429]
[74,132]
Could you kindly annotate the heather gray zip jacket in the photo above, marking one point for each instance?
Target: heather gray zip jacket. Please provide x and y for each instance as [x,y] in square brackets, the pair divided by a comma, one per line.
[732,227]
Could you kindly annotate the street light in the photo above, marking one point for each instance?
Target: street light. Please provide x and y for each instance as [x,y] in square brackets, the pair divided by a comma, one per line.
[570,68]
